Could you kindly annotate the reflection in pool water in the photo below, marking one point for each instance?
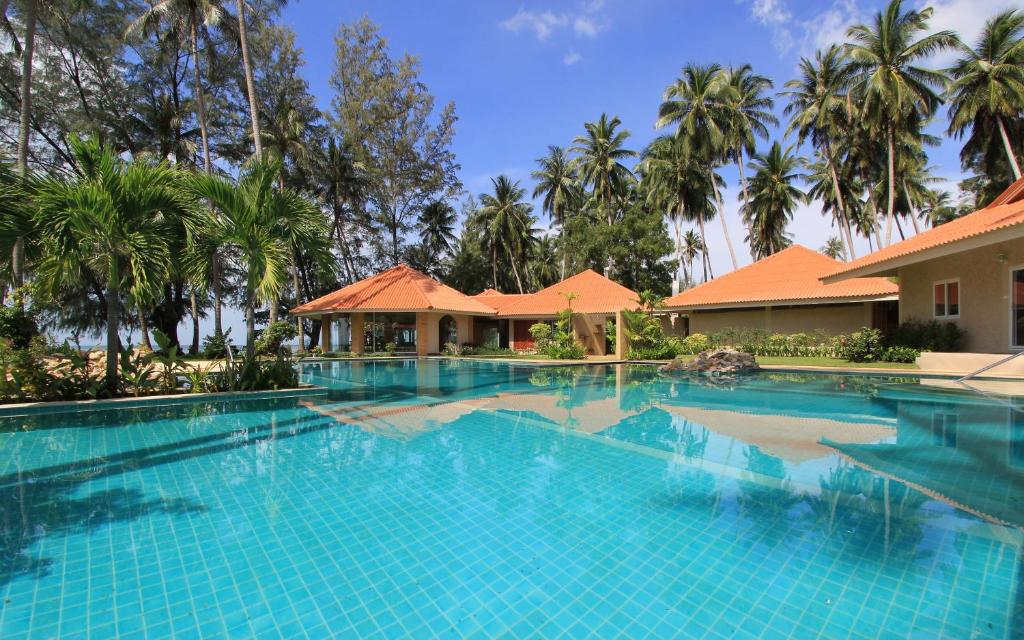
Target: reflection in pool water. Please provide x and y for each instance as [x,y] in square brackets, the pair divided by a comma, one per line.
[432,497]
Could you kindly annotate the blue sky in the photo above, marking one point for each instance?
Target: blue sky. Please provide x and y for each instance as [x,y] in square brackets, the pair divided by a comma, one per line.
[524,75]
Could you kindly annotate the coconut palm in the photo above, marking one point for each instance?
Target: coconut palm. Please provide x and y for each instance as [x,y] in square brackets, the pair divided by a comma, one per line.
[544,264]
[692,247]
[888,83]
[601,151]
[822,188]
[773,199]
[287,134]
[503,222]
[558,185]
[437,224]
[749,110]
[343,187]
[818,112]
[248,225]
[698,105]
[185,17]
[112,223]
[679,183]
[834,248]
[988,83]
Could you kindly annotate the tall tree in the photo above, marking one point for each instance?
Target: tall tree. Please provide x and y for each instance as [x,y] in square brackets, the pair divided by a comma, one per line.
[749,108]
[386,116]
[503,222]
[698,105]
[774,198]
[888,81]
[818,110]
[558,186]
[988,85]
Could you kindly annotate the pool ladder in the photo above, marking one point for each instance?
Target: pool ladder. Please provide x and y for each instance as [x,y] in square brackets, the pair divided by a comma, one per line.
[988,367]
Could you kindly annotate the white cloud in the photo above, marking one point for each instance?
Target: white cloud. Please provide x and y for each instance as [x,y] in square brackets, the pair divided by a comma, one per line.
[572,58]
[541,24]
[586,21]
[775,15]
[586,26]
[830,26]
[966,17]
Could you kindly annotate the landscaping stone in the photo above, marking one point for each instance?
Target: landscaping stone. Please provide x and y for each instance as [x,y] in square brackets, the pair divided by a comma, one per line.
[717,362]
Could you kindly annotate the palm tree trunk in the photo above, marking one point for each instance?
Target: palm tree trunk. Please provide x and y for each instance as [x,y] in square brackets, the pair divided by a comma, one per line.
[891,187]
[494,266]
[250,88]
[113,322]
[746,198]
[844,220]
[677,226]
[725,227]
[28,51]
[194,348]
[913,210]
[200,100]
[705,258]
[1009,148]
[218,328]
[298,294]
[144,330]
[250,324]
[515,272]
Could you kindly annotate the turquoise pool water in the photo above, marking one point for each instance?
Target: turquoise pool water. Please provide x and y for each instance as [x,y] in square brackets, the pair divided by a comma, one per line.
[433,498]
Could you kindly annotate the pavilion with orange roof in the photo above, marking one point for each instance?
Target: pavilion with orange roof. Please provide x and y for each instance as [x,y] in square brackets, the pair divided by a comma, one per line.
[418,314]
[783,293]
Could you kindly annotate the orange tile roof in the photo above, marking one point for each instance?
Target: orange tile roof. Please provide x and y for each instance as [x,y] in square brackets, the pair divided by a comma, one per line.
[791,275]
[400,288]
[499,301]
[594,294]
[1004,212]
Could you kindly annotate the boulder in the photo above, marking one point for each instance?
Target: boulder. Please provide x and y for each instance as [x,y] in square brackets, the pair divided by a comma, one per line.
[717,362]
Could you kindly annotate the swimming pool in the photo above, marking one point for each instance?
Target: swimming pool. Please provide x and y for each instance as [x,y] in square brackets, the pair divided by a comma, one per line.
[459,498]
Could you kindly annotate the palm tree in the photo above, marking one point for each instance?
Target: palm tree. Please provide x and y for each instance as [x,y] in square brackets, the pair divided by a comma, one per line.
[887,80]
[31,17]
[544,264]
[822,188]
[250,84]
[988,83]
[749,111]
[773,200]
[287,134]
[692,247]
[601,152]
[503,221]
[698,105]
[834,248]
[437,223]
[559,185]
[344,186]
[185,16]
[112,223]
[818,111]
[248,225]
[679,183]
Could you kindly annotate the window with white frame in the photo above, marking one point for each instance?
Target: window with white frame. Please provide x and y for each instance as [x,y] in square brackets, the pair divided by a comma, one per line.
[946,295]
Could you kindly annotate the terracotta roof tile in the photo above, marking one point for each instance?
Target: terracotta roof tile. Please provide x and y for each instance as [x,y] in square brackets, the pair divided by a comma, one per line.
[400,288]
[791,275]
[1004,212]
[594,294]
[500,301]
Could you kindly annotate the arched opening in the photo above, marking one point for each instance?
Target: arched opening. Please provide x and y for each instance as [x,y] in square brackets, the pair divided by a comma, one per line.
[447,331]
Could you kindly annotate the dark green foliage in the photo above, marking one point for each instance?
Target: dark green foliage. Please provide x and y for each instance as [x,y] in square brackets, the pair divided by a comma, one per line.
[216,347]
[861,346]
[647,340]
[900,354]
[928,336]
[272,339]
[18,326]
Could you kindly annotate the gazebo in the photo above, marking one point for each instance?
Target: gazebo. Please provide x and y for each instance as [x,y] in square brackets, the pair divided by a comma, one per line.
[400,306]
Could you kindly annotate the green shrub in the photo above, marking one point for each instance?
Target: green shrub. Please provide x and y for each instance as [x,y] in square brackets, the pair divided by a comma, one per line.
[928,336]
[216,347]
[558,342]
[18,326]
[695,343]
[451,349]
[900,354]
[862,346]
[272,339]
[647,339]
[390,348]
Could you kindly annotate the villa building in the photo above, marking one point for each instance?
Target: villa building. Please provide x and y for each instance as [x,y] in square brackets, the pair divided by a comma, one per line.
[969,271]
[417,314]
[783,293]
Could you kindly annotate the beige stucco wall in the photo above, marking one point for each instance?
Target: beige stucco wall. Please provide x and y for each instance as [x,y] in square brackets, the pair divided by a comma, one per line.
[984,292]
[833,319]
[429,325]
